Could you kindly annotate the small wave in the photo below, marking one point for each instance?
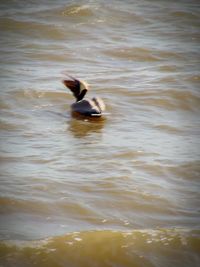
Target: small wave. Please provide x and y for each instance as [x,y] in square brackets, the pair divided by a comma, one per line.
[38,29]
[184,15]
[136,54]
[171,99]
[168,129]
[11,205]
[150,248]
[168,99]
[76,10]
[8,126]
[168,68]
[51,56]
[189,171]
[4,104]
[32,94]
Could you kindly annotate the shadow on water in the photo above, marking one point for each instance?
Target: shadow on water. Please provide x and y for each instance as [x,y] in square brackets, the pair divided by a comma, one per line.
[81,126]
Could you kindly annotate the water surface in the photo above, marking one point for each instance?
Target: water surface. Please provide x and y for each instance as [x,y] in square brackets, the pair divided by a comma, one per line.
[120,191]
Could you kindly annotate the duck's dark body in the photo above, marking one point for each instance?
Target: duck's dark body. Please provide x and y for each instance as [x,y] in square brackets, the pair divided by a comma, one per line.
[87,107]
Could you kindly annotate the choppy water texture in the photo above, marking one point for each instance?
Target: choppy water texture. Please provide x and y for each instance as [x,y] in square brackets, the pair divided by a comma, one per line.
[119,191]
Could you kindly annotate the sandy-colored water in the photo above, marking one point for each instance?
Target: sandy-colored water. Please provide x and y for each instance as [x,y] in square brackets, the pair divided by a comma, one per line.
[119,191]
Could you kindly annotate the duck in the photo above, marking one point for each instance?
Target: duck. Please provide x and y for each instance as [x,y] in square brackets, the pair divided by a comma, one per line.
[88,107]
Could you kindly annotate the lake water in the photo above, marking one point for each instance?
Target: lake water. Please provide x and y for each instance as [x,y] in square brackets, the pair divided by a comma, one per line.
[119,191]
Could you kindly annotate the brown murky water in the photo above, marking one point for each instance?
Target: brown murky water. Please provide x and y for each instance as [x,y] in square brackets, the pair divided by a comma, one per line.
[120,191]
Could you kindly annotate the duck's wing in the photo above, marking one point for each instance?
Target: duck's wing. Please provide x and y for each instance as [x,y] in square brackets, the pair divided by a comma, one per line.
[74,85]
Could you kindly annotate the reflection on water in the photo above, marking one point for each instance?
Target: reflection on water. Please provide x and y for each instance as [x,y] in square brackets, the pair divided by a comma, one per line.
[82,126]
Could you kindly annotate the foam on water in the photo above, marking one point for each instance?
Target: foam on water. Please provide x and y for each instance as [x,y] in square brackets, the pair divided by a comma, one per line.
[107,248]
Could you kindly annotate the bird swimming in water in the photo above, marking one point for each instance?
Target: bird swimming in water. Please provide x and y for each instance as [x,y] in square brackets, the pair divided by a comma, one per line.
[84,106]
